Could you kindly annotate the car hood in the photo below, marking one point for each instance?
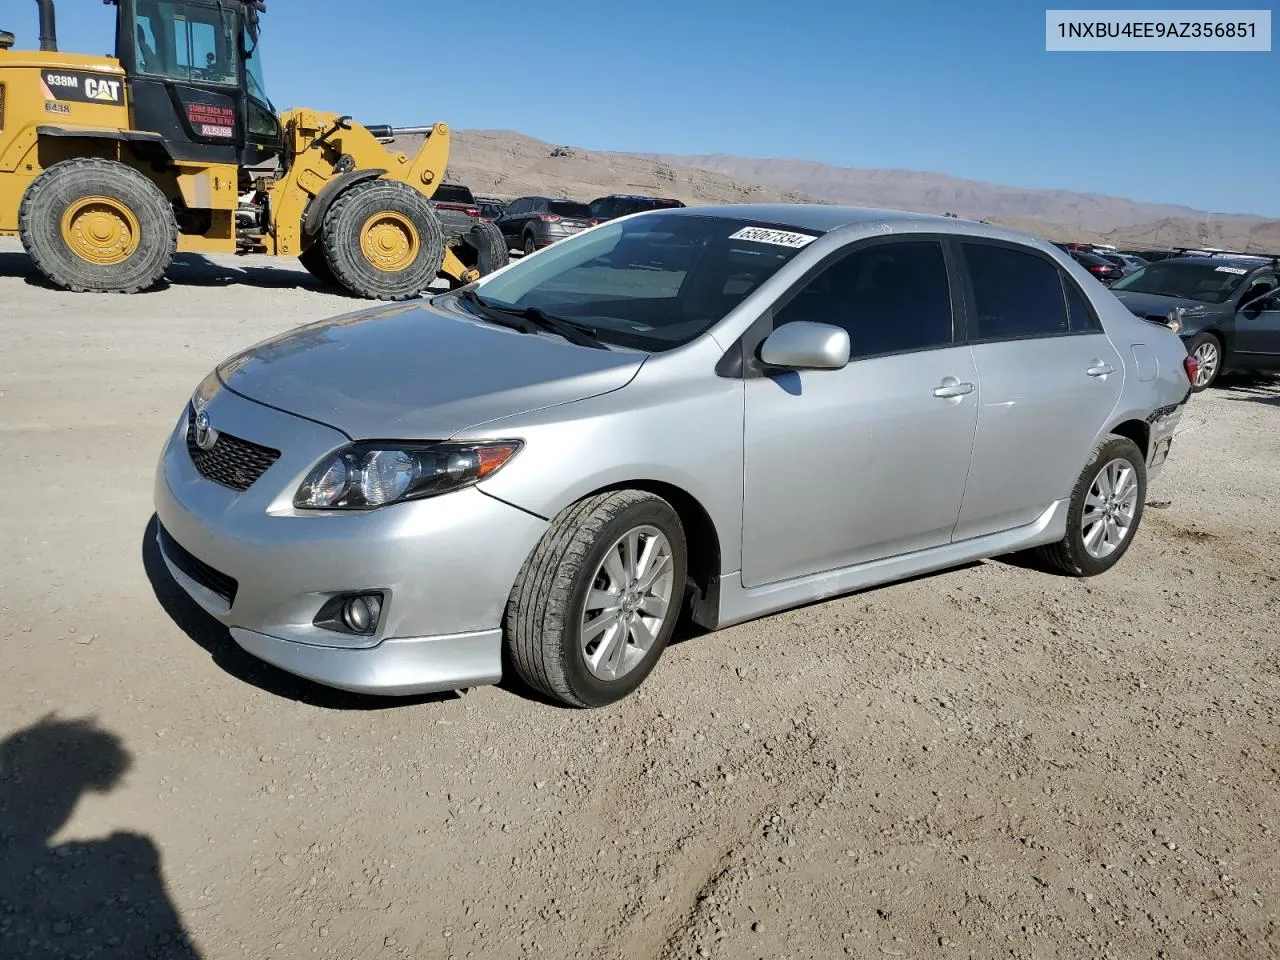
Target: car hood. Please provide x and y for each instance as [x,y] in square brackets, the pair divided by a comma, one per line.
[1154,305]
[414,372]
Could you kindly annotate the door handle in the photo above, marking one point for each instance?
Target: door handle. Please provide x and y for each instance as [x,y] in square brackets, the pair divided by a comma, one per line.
[952,388]
[1100,370]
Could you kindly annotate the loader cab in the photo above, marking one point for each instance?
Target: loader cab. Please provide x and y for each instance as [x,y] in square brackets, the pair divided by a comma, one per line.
[195,78]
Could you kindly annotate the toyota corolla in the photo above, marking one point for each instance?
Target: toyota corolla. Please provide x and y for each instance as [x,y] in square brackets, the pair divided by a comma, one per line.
[710,412]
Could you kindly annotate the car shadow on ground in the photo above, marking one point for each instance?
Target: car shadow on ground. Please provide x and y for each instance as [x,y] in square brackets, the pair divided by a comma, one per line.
[1260,387]
[216,640]
[85,897]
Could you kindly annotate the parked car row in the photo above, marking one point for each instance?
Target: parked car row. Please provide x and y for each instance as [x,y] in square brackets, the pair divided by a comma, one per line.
[530,223]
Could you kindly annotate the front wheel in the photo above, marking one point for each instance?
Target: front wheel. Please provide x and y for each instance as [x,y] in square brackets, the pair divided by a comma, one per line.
[1207,350]
[382,240]
[598,599]
[1105,510]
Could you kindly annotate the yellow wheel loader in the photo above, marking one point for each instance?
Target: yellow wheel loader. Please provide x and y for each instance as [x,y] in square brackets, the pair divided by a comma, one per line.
[111,165]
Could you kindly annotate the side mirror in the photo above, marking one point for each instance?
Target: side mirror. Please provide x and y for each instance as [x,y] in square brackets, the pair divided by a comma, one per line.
[806,346]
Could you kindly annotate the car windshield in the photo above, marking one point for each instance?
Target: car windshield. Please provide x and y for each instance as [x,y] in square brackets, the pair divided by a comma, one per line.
[1206,282]
[569,208]
[653,282]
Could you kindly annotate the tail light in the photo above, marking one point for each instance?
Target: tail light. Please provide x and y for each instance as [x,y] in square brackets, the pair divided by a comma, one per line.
[593,222]
[549,217]
[472,212]
[1192,366]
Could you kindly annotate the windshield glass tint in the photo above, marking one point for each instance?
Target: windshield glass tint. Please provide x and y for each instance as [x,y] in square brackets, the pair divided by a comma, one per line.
[652,283]
[1208,283]
[567,208]
[186,42]
[253,72]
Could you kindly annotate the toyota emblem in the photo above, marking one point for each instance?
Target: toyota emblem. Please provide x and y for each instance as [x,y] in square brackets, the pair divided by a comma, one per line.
[206,436]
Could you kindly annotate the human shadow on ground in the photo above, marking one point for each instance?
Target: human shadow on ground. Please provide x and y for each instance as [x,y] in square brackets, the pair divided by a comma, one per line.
[216,640]
[81,898]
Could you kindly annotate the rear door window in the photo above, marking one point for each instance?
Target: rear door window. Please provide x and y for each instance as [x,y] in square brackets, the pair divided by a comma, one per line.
[1016,294]
[1081,317]
[891,297]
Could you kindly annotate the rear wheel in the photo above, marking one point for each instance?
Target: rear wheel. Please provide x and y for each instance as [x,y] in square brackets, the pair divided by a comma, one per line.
[529,245]
[382,240]
[1105,510]
[597,601]
[1207,349]
[93,225]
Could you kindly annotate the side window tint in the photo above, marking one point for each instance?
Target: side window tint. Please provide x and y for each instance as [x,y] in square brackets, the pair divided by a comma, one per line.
[1080,315]
[1015,294]
[891,297]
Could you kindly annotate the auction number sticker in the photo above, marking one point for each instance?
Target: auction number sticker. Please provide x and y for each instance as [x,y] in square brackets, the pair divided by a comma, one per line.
[1238,271]
[779,238]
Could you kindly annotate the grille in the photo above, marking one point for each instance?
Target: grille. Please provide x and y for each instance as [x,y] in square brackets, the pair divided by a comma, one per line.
[232,462]
[199,571]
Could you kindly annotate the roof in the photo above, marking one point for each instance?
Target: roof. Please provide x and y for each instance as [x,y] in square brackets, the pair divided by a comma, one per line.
[1245,261]
[824,217]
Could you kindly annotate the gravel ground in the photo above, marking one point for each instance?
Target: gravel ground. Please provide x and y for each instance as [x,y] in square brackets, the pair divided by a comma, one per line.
[992,762]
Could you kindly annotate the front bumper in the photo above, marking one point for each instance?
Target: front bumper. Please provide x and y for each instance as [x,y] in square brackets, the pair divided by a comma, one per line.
[445,565]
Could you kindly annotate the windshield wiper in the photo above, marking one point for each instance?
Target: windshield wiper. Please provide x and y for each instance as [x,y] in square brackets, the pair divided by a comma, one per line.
[533,319]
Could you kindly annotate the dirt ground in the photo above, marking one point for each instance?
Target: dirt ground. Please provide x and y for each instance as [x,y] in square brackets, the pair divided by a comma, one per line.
[992,762]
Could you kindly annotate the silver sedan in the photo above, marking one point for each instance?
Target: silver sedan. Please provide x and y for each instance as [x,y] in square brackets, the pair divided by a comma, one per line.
[714,412]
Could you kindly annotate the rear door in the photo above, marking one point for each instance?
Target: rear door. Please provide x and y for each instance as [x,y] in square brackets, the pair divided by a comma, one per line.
[1050,378]
[848,466]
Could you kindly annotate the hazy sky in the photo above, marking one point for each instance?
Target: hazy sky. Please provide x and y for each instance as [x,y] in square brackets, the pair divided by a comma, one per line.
[962,88]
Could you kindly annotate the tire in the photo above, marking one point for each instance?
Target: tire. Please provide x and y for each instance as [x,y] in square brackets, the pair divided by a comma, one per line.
[388,222]
[1210,347]
[489,246]
[530,247]
[97,226]
[1113,457]
[313,259]
[553,595]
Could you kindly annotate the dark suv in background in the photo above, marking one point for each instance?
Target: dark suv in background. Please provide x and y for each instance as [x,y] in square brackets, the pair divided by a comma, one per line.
[530,223]
[457,208]
[621,204]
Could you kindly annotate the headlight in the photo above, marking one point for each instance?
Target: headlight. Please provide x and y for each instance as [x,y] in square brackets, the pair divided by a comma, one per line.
[207,390]
[366,475]
[1174,319]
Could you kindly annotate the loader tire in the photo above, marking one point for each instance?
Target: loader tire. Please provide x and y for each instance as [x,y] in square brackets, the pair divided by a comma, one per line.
[313,259]
[483,248]
[97,226]
[382,240]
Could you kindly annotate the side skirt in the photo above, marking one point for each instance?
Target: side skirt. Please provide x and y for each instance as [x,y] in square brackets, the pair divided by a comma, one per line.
[738,604]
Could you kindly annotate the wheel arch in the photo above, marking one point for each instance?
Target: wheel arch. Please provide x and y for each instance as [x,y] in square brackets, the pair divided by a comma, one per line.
[322,201]
[702,545]
[1139,431]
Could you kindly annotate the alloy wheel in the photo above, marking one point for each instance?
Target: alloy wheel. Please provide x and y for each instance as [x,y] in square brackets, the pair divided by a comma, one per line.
[1109,508]
[628,603]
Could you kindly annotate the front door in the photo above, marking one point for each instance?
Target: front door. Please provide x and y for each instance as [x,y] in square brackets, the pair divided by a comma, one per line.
[1050,379]
[1257,339]
[847,466]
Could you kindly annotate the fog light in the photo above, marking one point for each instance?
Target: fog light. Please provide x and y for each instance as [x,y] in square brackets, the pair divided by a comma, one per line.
[360,614]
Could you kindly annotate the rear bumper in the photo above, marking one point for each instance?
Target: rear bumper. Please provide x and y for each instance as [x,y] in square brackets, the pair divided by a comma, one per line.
[1163,424]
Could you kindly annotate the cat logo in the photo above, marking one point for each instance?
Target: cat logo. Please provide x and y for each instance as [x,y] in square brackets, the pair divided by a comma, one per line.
[99,89]
[81,87]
